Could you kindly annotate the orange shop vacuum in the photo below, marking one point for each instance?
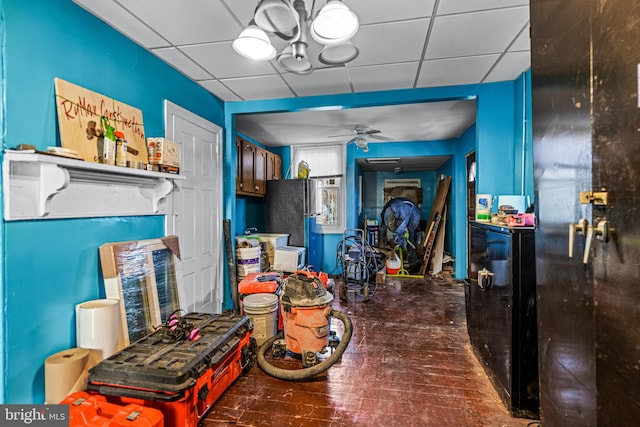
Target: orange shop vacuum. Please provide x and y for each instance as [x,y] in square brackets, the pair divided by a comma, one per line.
[306,309]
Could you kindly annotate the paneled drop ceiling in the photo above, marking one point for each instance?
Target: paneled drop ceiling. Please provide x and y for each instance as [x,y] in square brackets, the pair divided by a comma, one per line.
[402,44]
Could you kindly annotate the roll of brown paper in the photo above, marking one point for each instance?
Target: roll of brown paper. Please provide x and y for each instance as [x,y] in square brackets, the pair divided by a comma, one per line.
[64,373]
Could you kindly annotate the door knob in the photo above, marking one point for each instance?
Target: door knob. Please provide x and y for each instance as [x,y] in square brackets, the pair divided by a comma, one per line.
[602,233]
[579,227]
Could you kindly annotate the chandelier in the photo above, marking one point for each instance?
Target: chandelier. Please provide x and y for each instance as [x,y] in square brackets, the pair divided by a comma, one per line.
[333,26]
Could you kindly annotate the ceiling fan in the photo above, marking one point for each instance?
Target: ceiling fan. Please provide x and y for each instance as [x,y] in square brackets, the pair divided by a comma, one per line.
[361,134]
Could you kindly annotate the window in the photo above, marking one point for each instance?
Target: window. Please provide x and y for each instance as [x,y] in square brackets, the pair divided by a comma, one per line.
[326,169]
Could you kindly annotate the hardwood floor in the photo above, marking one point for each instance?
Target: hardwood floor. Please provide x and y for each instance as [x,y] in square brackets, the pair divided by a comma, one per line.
[409,363]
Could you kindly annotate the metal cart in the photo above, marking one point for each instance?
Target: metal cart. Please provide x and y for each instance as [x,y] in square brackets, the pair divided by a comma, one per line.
[359,264]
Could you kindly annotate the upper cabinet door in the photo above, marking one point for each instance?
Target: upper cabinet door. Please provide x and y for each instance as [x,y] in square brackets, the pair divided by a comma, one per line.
[255,167]
[274,166]
[247,164]
[260,174]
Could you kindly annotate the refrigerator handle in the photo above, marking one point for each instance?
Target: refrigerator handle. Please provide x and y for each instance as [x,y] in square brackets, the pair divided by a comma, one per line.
[307,196]
[310,196]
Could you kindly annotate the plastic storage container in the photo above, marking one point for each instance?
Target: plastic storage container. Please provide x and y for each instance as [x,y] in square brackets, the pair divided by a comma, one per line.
[183,378]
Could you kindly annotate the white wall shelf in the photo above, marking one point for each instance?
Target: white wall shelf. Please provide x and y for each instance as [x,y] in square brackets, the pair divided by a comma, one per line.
[41,186]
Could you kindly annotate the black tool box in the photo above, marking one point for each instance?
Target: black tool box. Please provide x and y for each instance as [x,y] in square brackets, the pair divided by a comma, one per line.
[182,378]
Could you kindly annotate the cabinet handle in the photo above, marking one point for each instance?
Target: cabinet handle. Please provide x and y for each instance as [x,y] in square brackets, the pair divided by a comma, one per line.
[602,233]
[580,227]
[587,244]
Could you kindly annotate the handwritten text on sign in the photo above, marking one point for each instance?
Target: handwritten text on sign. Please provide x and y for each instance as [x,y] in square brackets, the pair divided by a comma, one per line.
[79,118]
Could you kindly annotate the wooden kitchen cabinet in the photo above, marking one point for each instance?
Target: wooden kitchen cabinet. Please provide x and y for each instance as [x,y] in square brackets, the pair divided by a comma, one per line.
[255,166]
[274,166]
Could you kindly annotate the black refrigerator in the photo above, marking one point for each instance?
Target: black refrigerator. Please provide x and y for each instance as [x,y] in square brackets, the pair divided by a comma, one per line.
[500,298]
[290,207]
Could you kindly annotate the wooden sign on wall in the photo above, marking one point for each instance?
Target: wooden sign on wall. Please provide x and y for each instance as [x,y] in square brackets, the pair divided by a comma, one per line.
[80,114]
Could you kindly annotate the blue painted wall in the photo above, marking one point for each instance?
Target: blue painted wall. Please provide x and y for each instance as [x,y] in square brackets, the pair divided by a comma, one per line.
[49,266]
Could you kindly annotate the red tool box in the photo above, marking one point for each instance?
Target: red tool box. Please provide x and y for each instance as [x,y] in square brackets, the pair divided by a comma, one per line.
[93,410]
[182,378]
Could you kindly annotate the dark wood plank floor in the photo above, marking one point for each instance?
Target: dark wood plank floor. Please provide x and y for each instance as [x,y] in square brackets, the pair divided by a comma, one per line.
[409,363]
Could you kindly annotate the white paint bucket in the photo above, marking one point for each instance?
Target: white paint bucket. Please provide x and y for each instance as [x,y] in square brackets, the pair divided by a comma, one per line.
[247,261]
[262,309]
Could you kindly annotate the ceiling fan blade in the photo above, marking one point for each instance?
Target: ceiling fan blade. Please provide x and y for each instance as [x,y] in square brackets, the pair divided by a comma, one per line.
[340,136]
[372,131]
[381,138]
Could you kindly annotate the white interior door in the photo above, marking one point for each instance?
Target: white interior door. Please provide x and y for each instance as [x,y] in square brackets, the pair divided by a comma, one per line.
[196,208]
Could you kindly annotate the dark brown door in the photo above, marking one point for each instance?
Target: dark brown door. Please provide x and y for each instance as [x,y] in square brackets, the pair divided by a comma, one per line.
[586,121]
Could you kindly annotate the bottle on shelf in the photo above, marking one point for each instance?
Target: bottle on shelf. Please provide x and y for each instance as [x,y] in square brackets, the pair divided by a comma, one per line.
[121,149]
[109,143]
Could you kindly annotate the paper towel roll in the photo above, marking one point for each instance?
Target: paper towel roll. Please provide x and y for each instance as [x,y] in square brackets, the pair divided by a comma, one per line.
[64,373]
[97,327]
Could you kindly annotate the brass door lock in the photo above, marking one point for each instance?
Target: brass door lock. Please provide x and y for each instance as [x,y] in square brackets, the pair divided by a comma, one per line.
[596,198]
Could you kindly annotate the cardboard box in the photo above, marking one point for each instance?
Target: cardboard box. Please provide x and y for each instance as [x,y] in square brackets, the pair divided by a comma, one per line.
[165,153]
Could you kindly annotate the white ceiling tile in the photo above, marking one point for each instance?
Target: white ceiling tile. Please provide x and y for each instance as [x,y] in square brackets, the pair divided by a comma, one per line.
[464,6]
[324,81]
[455,71]
[222,61]
[181,62]
[475,33]
[242,9]
[123,21]
[523,42]
[390,42]
[202,21]
[262,87]
[219,90]
[510,66]
[383,77]
[375,11]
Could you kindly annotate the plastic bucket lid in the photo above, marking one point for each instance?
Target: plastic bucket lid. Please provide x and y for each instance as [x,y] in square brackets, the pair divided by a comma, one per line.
[260,303]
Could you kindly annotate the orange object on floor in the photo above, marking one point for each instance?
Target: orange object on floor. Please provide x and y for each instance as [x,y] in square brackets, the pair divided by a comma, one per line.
[324,277]
[182,379]
[259,283]
[87,409]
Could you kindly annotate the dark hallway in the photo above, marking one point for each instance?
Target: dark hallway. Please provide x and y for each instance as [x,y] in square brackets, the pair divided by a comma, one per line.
[409,363]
